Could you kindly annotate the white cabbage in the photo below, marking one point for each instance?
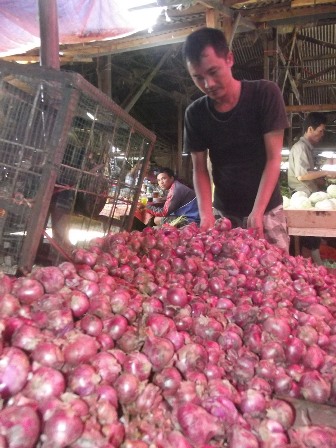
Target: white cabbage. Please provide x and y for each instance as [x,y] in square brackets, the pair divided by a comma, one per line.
[331,190]
[325,204]
[318,196]
[299,193]
[300,203]
[285,202]
[319,200]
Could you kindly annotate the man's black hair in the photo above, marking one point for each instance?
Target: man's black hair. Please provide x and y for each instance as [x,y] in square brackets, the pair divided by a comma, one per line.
[197,41]
[314,119]
[168,171]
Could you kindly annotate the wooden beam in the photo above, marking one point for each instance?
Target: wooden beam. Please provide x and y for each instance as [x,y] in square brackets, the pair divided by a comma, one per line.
[234,30]
[319,57]
[132,43]
[176,96]
[320,73]
[104,75]
[179,138]
[302,15]
[318,84]
[212,18]
[311,40]
[218,6]
[25,59]
[290,77]
[297,108]
[240,3]
[301,3]
[289,60]
[128,106]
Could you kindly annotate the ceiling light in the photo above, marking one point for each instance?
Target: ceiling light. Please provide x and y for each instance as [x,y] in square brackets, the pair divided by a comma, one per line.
[144,12]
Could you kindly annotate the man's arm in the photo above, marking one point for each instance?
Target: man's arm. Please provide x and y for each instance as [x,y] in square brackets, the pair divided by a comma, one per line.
[273,144]
[312,175]
[202,186]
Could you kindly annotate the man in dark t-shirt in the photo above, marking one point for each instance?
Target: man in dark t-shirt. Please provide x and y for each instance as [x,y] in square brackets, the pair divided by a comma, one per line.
[240,124]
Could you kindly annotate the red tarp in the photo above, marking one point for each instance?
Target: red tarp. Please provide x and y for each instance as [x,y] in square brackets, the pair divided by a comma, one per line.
[78,21]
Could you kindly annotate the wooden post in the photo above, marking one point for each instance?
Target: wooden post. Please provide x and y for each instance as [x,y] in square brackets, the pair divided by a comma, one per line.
[49,47]
[212,18]
[290,116]
[179,138]
[276,56]
[227,29]
[104,74]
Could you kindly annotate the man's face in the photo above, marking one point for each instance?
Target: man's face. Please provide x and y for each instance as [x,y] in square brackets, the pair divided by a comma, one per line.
[165,181]
[212,75]
[316,135]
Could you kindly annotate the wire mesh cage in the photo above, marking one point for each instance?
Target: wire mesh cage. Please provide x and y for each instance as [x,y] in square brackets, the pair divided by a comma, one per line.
[65,151]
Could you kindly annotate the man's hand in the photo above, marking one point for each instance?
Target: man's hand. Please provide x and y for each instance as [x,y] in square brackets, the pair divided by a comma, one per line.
[256,222]
[141,206]
[158,221]
[207,222]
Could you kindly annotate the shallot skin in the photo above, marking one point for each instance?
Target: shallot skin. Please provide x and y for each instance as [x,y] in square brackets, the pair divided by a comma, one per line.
[314,436]
[14,370]
[20,425]
[168,338]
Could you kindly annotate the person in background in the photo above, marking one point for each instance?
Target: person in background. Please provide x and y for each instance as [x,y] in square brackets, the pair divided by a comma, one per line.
[133,174]
[240,124]
[180,200]
[302,175]
[151,175]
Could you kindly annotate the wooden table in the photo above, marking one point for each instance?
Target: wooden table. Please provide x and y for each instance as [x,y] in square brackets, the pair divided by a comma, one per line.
[115,214]
[310,223]
[122,208]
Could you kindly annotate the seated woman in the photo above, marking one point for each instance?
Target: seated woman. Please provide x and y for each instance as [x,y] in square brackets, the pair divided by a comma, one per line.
[181,200]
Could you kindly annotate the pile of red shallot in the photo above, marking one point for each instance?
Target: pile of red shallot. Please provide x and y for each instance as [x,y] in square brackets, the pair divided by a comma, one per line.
[168,338]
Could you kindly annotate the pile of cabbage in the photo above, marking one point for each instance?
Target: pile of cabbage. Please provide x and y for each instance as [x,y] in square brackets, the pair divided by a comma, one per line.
[319,200]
